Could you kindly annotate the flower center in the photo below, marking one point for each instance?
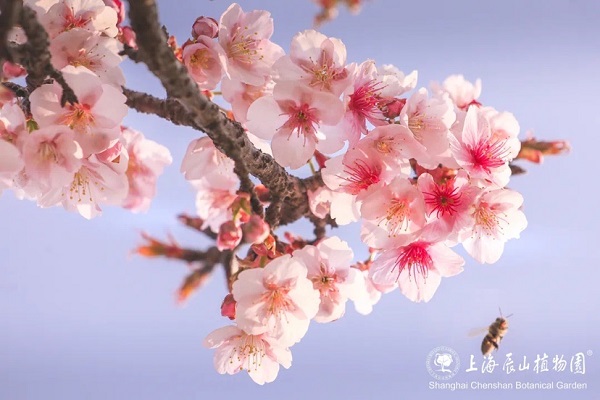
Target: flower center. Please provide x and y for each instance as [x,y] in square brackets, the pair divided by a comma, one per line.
[244,47]
[397,216]
[415,259]
[302,120]
[444,199]
[361,175]
[48,152]
[251,351]
[78,117]
[365,100]
[486,219]
[488,155]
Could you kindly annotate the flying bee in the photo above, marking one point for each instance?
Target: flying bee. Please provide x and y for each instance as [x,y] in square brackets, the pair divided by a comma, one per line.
[496,331]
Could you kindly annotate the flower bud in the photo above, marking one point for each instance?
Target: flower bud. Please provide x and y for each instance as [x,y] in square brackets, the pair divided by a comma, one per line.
[230,235]
[256,230]
[228,307]
[205,26]
[12,71]
[128,37]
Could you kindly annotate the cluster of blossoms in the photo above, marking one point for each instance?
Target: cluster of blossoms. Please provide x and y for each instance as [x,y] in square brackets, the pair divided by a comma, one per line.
[421,170]
[78,155]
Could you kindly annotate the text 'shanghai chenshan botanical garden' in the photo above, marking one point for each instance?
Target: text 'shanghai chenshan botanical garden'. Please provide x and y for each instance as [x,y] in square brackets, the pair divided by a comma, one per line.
[418,169]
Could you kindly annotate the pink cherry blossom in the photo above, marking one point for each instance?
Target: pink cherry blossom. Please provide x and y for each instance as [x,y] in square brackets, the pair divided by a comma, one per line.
[10,163]
[329,270]
[95,183]
[147,159]
[241,95]
[292,117]
[316,61]
[418,268]
[395,82]
[342,207]
[278,299]
[481,154]
[429,119]
[51,156]
[91,15]
[397,207]
[202,61]
[495,218]
[99,54]
[364,102]
[95,119]
[202,159]
[260,354]
[395,145]
[211,174]
[461,91]
[214,196]
[12,123]
[355,171]
[248,54]
[447,203]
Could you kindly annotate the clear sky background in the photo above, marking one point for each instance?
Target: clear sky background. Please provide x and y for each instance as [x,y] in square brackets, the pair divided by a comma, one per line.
[80,317]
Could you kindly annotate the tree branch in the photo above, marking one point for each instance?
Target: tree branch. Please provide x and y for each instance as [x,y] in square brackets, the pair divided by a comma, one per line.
[35,56]
[228,136]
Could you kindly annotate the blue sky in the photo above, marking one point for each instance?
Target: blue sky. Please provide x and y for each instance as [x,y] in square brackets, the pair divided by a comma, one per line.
[83,318]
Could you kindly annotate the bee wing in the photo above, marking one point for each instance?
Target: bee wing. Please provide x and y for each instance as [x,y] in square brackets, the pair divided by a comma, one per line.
[478,331]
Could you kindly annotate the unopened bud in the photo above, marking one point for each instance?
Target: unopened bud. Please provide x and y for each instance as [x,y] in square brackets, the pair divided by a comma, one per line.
[393,108]
[205,26]
[12,71]
[256,230]
[128,37]
[241,208]
[228,307]
[230,235]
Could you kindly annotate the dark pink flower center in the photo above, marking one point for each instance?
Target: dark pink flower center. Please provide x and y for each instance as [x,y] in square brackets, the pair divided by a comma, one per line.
[303,120]
[415,259]
[444,199]
[365,99]
[488,155]
[361,175]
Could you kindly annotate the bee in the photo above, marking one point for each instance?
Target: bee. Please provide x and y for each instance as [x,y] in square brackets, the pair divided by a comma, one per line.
[496,331]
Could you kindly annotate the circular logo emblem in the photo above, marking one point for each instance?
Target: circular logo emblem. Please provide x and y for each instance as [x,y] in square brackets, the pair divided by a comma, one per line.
[442,363]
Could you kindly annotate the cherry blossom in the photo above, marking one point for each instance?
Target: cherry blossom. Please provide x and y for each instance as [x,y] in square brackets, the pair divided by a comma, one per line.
[202,60]
[91,15]
[398,208]
[260,354]
[95,183]
[495,217]
[316,61]
[95,119]
[248,54]
[278,299]
[147,159]
[52,156]
[292,117]
[329,269]
[417,268]
[240,95]
[461,91]
[355,171]
[10,163]
[99,54]
[481,154]
[429,120]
